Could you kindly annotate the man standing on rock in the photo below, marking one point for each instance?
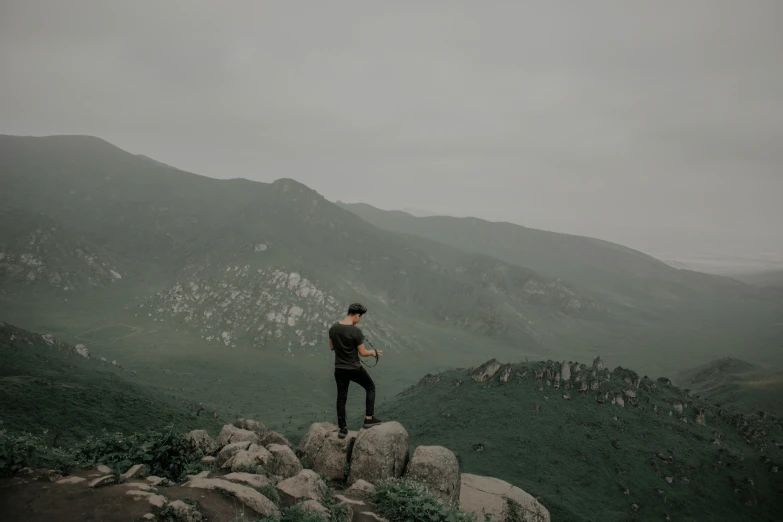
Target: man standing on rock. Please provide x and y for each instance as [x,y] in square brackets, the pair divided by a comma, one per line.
[346,340]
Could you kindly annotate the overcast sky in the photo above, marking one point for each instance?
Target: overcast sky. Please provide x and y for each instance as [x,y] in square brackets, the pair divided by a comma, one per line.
[658,123]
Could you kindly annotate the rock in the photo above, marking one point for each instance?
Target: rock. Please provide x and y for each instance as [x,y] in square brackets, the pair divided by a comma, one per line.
[437,467]
[359,510]
[618,399]
[505,374]
[203,474]
[137,471]
[629,393]
[305,485]
[103,469]
[230,450]
[361,488]
[701,418]
[324,452]
[255,481]
[283,461]
[245,494]
[148,516]
[231,434]
[274,438]
[565,372]
[486,371]
[678,407]
[489,494]
[379,452]
[71,480]
[250,458]
[209,460]
[103,481]
[598,364]
[186,512]
[200,440]
[156,481]
[82,350]
[312,505]
[157,501]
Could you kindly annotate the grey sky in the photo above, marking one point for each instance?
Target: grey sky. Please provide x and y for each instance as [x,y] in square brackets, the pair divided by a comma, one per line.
[658,123]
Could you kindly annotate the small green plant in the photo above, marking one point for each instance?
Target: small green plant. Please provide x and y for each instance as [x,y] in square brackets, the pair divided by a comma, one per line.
[271,493]
[28,450]
[337,512]
[406,500]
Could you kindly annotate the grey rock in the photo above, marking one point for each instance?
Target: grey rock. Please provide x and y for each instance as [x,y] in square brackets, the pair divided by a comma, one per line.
[254,456]
[305,485]
[283,461]
[486,371]
[437,467]
[379,452]
[486,494]
[361,489]
[231,434]
[103,481]
[245,494]
[199,440]
[256,481]
[230,450]
[137,471]
[324,452]
[186,512]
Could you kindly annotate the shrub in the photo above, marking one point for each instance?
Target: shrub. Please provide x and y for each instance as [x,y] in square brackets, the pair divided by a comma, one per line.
[405,500]
[28,450]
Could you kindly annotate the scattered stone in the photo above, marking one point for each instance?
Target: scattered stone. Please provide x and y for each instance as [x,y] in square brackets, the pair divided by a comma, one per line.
[157,481]
[361,488]
[186,512]
[200,440]
[71,480]
[231,434]
[566,397]
[283,461]
[629,393]
[250,458]
[324,452]
[635,507]
[103,481]
[565,372]
[505,374]
[305,485]
[137,471]
[148,516]
[678,407]
[486,371]
[230,450]
[701,418]
[82,350]
[669,479]
[103,469]
[157,501]
[437,467]
[209,460]
[255,481]
[379,452]
[245,494]
[312,505]
[274,438]
[486,494]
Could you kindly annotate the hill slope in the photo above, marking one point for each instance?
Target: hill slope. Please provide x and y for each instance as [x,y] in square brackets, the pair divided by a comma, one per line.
[48,385]
[736,384]
[627,448]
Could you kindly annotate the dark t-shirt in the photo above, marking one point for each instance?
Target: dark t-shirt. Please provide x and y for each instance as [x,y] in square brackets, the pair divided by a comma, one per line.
[346,340]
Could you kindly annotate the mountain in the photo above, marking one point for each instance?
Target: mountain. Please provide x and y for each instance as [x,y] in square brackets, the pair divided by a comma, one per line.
[768,278]
[592,443]
[736,384]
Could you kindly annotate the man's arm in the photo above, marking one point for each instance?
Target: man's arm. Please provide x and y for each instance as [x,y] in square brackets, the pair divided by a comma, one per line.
[369,353]
[331,346]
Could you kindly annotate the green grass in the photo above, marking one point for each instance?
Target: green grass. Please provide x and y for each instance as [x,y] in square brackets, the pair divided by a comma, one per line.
[587,461]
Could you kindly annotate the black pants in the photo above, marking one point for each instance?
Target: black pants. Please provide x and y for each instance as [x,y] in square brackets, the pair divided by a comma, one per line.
[363,379]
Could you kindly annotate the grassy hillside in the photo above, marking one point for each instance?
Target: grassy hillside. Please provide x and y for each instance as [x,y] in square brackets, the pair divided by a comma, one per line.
[736,384]
[45,385]
[770,278]
[588,457]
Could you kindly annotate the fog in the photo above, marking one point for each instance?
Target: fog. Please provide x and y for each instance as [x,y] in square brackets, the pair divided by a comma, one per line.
[658,125]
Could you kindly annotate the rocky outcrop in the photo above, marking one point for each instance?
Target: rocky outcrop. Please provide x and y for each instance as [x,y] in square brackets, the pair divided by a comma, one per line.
[282,461]
[230,450]
[486,371]
[437,467]
[230,434]
[324,452]
[565,372]
[379,452]
[200,440]
[245,494]
[254,456]
[306,485]
[252,480]
[489,495]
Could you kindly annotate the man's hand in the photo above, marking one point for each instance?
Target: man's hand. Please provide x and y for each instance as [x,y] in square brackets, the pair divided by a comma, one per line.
[378,353]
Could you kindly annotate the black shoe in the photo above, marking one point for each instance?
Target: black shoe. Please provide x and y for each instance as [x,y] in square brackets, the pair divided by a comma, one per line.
[369,423]
[342,433]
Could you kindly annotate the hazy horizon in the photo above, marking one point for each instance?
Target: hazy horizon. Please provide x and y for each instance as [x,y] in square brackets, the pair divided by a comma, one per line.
[654,126]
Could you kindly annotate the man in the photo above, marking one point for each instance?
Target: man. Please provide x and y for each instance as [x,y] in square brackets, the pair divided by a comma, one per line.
[347,342]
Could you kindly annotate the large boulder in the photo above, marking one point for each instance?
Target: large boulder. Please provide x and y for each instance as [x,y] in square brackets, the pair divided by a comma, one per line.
[230,450]
[305,485]
[282,461]
[486,371]
[253,457]
[324,452]
[199,440]
[245,494]
[230,434]
[489,495]
[379,452]
[437,467]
